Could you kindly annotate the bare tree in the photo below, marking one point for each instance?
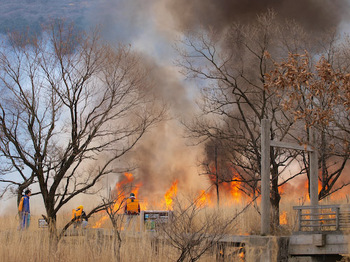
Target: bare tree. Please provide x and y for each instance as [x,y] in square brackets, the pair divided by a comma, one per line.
[193,229]
[71,106]
[231,69]
[219,169]
[15,186]
[114,210]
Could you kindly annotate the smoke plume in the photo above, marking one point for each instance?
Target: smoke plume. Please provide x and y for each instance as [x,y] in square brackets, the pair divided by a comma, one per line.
[312,14]
[151,27]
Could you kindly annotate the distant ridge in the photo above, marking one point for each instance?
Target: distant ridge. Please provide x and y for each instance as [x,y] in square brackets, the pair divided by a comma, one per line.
[20,15]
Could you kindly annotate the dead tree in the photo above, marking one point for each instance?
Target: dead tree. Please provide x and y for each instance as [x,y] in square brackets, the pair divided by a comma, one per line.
[193,229]
[71,106]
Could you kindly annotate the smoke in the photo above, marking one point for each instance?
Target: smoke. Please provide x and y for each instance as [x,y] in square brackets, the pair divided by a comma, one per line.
[311,14]
[151,27]
[163,156]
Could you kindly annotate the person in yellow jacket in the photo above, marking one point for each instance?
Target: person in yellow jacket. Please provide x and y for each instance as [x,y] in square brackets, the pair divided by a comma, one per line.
[132,206]
[132,209]
[80,217]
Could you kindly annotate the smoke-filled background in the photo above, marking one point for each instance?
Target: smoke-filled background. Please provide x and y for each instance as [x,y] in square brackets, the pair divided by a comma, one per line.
[152,27]
[313,15]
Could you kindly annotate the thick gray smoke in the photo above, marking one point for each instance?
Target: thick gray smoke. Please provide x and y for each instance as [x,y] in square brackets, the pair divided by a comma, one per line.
[163,156]
[314,15]
[151,26]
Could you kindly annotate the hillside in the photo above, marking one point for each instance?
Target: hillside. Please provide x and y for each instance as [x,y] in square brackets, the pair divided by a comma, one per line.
[22,14]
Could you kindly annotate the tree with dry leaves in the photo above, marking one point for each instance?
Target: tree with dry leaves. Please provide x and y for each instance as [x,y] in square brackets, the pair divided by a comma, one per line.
[71,106]
[317,94]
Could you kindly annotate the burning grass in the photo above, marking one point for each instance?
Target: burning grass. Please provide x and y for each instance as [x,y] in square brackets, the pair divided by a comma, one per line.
[96,244]
[34,243]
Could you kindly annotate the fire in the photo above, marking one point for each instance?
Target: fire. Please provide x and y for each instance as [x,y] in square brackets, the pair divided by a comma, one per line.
[100,222]
[306,187]
[120,188]
[229,192]
[127,179]
[203,198]
[232,189]
[170,194]
[143,203]
[283,218]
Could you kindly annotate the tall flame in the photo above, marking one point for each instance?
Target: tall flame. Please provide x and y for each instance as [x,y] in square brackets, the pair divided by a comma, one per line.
[232,188]
[170,195]
[119,189]
[283,218]
[228,191]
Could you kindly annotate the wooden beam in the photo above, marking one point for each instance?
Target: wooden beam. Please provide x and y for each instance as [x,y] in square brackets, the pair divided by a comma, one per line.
[291,146]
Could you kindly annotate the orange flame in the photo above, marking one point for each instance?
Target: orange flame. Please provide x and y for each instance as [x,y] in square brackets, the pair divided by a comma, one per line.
[283,218]
[203,198]
[170,195]
[126,180]
[306,186]
[100,222]
[232,189]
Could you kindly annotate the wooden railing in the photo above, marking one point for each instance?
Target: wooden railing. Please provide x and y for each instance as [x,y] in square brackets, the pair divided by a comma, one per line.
[323,218]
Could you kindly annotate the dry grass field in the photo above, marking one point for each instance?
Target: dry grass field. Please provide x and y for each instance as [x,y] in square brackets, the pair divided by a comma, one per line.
[32,245]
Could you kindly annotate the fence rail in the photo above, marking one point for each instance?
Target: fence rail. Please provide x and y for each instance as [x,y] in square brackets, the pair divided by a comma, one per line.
[323,218]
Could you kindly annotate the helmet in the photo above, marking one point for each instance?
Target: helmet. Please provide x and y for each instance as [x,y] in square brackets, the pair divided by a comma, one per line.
[132,194]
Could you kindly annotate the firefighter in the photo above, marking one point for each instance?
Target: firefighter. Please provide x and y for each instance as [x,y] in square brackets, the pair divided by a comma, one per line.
[132,206]
[132,209]
[24,210]
[80,217]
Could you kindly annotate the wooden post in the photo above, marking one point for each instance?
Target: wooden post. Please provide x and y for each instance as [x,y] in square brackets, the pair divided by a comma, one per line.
[337,218]
[313,162]
[265,172]
[265,177]
[313,171]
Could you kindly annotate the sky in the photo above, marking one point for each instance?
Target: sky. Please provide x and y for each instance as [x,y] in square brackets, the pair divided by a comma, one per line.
[152,27]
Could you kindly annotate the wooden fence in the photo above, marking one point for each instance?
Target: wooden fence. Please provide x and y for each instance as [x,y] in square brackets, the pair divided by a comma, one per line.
[323,218]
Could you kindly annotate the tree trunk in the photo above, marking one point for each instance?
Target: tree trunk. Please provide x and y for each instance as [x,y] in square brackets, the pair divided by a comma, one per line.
[53,236]
[217,176]
[275,198]
[117,243]
[182,256]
